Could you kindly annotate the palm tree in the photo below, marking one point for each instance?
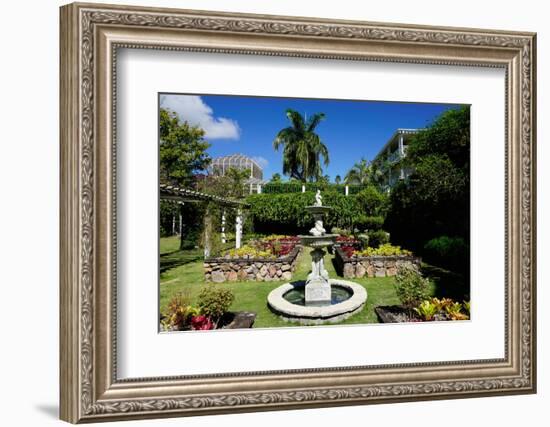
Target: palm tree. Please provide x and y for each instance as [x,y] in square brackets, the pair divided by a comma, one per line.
[302,147]
[360,173]
[338,179]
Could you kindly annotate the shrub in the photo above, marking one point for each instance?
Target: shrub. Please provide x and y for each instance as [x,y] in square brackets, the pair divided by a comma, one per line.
[214,302]
[448,252]
[371,202]
[372,223]
[410,286]
[383,250]
[378,237]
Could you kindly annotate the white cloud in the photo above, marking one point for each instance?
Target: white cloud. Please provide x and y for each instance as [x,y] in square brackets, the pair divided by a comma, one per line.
[262,161]
[191,108]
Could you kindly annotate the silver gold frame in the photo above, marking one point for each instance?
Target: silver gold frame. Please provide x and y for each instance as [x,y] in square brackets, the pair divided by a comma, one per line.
[90,36]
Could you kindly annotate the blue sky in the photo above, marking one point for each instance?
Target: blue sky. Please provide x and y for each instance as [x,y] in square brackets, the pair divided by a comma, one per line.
[248,125]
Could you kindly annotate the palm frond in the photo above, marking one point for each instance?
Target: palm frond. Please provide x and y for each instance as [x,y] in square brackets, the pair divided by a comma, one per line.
[314,121]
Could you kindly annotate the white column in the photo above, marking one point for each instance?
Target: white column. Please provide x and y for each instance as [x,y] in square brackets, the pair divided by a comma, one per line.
[401,150]
[401,155]
[223,227]
[303,188]
[259,188]
[347,190]
[207,225]
[173,224]
[238,229]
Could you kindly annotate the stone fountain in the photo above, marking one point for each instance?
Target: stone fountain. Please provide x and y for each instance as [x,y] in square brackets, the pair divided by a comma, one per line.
[320,299]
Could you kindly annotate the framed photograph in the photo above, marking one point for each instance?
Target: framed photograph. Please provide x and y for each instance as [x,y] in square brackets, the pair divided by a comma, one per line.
[267,212]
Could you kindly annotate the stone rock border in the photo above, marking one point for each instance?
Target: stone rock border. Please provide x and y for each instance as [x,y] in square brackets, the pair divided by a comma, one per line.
[371,266]
[220,270]
[317,315]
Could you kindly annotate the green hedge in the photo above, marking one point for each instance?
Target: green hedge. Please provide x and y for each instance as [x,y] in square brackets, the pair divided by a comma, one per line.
[286,213]
[296,187]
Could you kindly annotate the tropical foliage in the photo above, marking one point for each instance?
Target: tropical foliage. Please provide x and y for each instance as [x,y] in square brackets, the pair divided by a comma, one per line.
[360,173]
[302,147]
[443,309]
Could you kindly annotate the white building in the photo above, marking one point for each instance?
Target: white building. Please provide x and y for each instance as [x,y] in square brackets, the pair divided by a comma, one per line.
[391,154]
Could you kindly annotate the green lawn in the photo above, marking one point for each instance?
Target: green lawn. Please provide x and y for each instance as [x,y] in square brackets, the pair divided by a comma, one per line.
[182,271]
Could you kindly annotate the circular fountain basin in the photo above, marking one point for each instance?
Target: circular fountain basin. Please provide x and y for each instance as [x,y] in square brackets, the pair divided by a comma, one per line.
[288,302]
[313,209]
[318,241]
[338,294]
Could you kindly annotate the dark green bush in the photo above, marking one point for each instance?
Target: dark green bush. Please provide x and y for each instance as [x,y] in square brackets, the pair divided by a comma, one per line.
[371,202]
[371,223]
[450,252]
[377,238]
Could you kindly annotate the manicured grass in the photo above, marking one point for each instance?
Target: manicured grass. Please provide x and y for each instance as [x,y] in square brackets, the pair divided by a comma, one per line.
[184,273]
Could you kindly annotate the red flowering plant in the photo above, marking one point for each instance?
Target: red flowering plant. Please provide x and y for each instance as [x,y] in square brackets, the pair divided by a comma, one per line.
[201,323]
[347,239]
[278,245]
[348,244]
[348,250]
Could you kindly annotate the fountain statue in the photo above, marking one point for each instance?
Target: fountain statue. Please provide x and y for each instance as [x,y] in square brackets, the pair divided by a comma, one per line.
[317,290]
[321,299]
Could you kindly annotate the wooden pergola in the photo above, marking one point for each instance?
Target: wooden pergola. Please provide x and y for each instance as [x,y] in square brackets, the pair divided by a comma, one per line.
[185,195]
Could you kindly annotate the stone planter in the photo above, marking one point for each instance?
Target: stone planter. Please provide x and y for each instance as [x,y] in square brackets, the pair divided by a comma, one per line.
[220,270]
[394,314]
[371,266]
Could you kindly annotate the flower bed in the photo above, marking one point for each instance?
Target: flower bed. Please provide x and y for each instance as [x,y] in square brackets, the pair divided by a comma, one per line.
[434,309]
[278,245]
[347,243]
[251,264]
[372,262]
[211,311]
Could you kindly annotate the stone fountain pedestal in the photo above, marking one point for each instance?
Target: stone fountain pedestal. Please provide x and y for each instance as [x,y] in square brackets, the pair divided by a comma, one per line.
[317,289]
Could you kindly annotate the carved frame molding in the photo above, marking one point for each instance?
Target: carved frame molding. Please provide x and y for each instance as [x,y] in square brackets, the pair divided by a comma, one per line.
[90,37]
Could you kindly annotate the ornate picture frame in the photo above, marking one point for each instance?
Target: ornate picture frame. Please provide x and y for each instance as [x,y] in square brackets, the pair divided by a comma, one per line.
[90,37]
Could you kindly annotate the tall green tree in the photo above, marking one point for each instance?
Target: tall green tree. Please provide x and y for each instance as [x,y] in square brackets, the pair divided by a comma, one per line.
[302,147]
[182,151]
[435,200]
[182,154]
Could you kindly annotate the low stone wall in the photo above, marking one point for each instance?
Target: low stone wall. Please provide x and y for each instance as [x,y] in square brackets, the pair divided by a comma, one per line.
[372,266]
[257,269]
